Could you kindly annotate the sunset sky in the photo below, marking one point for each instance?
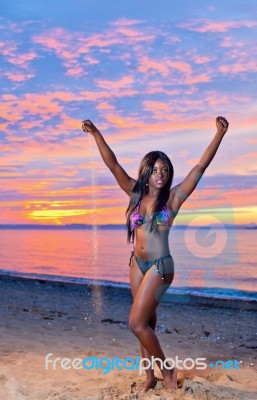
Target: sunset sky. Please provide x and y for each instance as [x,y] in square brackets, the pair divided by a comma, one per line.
[152,75]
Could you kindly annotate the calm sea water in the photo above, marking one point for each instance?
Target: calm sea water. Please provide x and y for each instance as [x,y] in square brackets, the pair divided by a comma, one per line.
[209,261]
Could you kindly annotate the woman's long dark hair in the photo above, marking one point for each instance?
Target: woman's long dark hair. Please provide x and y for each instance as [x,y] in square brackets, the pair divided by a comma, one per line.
[140,189]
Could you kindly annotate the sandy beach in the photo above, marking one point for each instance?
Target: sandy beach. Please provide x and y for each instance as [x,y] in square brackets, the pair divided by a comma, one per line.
[72,321]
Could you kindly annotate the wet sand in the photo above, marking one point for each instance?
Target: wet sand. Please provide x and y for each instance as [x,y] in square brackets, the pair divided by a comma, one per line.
[78,321]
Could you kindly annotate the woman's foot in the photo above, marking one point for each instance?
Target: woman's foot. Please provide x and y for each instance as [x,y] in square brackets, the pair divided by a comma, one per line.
[170,379]
[148,384]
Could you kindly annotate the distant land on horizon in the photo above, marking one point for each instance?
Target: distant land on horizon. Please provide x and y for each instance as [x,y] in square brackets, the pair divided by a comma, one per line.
[116,226]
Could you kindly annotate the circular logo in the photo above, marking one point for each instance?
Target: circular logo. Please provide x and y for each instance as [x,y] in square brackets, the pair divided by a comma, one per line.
[206,241]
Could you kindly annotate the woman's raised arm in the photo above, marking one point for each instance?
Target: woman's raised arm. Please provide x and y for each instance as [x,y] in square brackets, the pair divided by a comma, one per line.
[107,154]
[180,192]
[124,180]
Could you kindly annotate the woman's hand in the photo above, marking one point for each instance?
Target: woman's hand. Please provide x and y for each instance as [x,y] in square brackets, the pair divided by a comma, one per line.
[88,126]
[222,125]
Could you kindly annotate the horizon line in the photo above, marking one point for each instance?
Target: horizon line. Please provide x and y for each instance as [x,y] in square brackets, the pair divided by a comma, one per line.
[251,225]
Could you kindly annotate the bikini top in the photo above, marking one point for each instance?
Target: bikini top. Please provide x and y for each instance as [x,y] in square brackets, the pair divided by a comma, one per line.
[136,219]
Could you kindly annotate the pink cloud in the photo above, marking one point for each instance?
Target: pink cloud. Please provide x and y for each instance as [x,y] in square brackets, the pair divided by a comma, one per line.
[137,128]
[22,60]
[26,125]
[135,35]
[96,165]
[75,71]
[90,60]
[14,108]
[3,126]
[202,59]
[112,85]
[233,43]
[159,110]
[9,97]
[157,86]
[165,68]
[180,66]
[156,106]
[8,48]
[70,123]
[105,106]
[18,76]
[94,96]
[202,78]
[40,173]
[7,148]
[239,67]
[208,26]
[243,159]
[45,105]
[69,55]
[146,65]
[81,44]
[125,22]
[54,40]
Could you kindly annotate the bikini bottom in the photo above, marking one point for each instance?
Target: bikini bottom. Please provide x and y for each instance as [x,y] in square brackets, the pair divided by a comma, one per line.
[146,265]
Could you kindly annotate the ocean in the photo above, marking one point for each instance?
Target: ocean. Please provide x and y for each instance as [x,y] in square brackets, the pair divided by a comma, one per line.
[217,263]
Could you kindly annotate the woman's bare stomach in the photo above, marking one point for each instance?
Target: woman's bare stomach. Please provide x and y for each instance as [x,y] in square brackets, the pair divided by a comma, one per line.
[151,246]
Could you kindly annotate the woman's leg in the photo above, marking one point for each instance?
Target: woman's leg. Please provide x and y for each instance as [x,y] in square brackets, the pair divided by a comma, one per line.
[136,277]
[147,298]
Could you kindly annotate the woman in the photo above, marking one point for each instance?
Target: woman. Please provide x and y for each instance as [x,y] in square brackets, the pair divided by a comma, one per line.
[151,211]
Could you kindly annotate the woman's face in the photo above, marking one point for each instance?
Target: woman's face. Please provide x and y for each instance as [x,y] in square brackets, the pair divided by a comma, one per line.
[160,174]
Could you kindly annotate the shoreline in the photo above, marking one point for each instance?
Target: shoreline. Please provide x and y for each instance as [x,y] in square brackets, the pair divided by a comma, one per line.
[174,295]
[250,226]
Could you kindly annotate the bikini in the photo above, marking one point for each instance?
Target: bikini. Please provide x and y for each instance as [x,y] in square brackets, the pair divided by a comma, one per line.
[136,220]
